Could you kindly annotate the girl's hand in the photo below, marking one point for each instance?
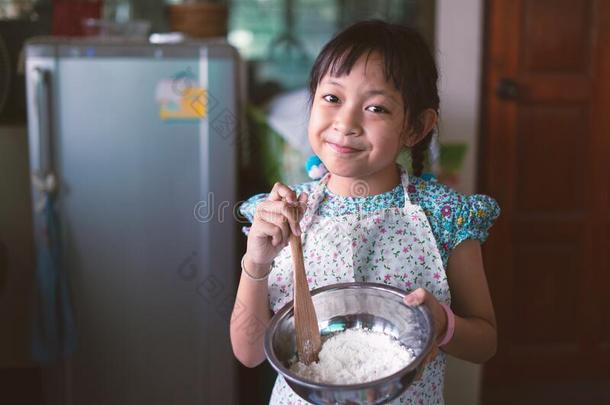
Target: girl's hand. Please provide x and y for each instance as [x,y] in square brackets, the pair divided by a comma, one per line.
[439,319]
[274,220]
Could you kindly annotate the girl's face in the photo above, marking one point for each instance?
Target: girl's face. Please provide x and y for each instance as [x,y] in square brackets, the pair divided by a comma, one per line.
[357,122]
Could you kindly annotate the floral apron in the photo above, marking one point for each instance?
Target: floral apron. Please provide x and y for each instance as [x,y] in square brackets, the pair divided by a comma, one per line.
[394,246]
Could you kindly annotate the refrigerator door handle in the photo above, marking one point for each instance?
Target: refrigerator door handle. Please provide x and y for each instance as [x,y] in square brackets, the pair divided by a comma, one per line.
[43,179]
[43,112]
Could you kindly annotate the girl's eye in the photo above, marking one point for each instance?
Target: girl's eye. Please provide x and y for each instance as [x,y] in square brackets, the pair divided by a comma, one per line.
[331,98]
[377,109]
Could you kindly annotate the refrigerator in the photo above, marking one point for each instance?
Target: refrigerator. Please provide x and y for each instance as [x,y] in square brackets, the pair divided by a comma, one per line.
[133,152]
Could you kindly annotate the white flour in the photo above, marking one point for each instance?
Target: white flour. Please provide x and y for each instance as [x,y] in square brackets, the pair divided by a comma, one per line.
[355,356]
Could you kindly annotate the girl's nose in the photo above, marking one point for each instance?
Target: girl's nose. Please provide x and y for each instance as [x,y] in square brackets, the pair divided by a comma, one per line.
[346,123]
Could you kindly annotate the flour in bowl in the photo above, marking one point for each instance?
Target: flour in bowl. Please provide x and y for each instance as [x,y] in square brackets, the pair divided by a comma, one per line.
[355,356]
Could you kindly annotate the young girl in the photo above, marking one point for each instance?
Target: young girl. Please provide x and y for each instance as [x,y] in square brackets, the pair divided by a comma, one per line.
[373,93]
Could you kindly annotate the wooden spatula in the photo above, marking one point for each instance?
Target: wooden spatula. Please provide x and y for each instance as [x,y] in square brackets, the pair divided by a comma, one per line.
[305,320]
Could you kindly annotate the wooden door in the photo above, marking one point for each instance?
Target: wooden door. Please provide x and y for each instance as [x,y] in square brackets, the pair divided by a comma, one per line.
[544,154]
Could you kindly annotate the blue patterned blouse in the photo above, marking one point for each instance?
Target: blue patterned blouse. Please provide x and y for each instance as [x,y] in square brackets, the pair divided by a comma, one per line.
[453,217]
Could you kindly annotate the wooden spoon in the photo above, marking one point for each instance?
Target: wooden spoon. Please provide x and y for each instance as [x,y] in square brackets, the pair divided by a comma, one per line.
[305,320]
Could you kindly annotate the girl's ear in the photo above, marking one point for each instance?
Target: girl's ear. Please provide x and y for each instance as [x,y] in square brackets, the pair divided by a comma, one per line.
[427,120]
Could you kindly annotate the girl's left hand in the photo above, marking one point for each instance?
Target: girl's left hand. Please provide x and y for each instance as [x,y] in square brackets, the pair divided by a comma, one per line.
[439,318]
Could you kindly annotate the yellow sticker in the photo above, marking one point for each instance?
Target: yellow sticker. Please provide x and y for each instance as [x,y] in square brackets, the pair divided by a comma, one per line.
[180,102]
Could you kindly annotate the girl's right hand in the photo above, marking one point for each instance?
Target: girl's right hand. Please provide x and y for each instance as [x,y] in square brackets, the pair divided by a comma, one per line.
[274,220]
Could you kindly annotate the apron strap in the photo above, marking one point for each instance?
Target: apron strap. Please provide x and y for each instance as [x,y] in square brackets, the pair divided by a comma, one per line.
[314,202]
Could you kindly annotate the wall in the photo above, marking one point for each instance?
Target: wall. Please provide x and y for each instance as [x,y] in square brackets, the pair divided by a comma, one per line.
[459,27]
[459,36]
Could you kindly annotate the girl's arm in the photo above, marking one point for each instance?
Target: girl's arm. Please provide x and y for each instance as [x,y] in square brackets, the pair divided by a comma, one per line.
[251,315]
[275,219]
[474,338]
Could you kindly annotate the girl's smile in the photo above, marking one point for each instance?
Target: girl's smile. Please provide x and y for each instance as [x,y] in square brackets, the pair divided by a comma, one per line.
[343,150]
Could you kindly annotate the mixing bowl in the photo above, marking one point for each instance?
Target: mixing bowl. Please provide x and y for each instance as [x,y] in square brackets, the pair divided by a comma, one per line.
[378,307]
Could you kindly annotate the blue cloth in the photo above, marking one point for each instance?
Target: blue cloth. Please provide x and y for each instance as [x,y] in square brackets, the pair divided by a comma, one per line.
[53,329]
[453,217]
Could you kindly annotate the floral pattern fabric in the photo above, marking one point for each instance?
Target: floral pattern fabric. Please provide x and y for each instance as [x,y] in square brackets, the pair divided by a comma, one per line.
[453,217]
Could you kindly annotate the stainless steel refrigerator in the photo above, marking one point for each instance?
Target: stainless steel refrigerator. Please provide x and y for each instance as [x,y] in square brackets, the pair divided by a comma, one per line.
[133,157]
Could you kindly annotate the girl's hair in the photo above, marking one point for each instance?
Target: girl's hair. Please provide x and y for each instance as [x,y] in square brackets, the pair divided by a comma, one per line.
[409,65]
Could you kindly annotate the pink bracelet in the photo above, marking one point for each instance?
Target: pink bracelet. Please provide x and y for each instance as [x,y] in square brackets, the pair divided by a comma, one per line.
[450,325]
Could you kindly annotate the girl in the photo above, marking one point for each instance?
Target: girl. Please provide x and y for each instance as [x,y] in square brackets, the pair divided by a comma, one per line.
[373,92]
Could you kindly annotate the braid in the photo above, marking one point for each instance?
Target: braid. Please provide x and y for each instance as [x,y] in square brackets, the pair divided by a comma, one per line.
[418,154]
